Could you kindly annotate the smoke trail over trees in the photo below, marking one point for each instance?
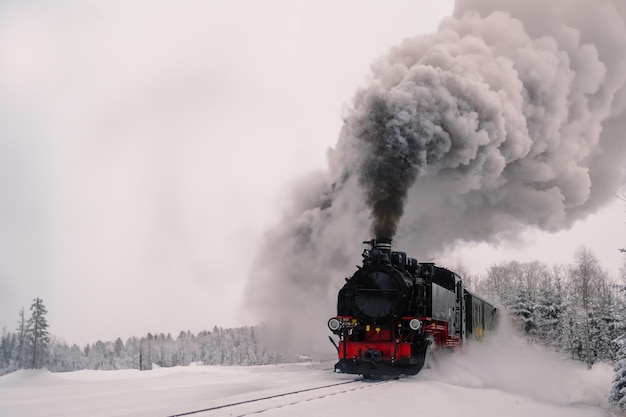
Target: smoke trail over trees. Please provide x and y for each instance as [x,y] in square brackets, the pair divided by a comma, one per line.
[508,116]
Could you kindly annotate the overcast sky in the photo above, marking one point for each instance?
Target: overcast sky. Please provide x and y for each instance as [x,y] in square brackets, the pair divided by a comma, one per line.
[146,146]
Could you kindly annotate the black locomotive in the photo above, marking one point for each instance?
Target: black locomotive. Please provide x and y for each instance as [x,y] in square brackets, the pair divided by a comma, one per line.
[393,308]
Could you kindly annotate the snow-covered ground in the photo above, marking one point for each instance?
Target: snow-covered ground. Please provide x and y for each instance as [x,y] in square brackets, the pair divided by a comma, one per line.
[500,377]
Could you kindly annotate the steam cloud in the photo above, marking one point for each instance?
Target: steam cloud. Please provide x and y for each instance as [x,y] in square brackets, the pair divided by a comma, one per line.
[511,115]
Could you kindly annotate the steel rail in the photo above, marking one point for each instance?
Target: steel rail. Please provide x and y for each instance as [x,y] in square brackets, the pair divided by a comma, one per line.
[269,397]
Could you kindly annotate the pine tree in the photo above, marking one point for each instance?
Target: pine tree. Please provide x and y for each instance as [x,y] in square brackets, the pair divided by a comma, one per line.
[522,309]
[37,334]
[21,340]
[617,397]
[7,352]
[145,353]
[549,313]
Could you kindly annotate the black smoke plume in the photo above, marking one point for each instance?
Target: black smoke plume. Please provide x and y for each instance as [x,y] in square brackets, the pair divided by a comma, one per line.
[510,115]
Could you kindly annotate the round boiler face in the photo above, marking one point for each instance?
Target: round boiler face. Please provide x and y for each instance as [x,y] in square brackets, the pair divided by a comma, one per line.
[378,296]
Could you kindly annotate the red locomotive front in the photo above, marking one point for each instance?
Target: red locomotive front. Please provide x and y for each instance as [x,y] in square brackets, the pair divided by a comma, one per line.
[392,309]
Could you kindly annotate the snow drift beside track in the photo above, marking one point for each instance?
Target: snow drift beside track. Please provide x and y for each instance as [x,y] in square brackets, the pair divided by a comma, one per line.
[504,361]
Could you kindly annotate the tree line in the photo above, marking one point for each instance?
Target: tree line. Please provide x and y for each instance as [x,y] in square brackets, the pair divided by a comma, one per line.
[576,309]
[31,346]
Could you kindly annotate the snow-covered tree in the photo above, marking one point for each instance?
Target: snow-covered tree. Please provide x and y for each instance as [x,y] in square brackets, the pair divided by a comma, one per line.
[522,309]
[584,276]
[549,310]
[8,352]
[185,348]
[499,283]
[605,321]
[37,334]
[617,396]
[145,352]
[130,355]
[61,358]
[21,339]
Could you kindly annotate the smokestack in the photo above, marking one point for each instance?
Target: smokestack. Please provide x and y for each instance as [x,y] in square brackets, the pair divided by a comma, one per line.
[380,251]
[381,243]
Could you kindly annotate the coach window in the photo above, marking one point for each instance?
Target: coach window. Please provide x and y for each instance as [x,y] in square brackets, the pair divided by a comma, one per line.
[477,314]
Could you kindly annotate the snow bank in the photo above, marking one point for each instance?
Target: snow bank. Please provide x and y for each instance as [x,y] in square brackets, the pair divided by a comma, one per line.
[25,377]
[508,363]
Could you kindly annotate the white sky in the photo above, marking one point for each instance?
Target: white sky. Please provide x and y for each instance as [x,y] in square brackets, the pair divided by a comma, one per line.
[603,232]
[146,146]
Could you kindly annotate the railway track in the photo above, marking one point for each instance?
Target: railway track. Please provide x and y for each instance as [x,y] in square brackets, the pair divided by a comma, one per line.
[261,404]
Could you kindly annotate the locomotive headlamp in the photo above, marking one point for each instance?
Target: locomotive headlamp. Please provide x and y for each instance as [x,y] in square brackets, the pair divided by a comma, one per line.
[334,324]
[415,324]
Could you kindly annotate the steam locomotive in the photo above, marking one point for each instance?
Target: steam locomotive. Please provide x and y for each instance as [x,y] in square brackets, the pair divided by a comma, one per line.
[394,308]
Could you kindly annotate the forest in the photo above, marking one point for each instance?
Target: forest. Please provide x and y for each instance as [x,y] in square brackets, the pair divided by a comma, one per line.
[578,310]
[238,346]
[575,309]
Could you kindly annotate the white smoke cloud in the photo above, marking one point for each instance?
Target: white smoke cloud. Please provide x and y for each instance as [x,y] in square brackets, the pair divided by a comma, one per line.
[507,117]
